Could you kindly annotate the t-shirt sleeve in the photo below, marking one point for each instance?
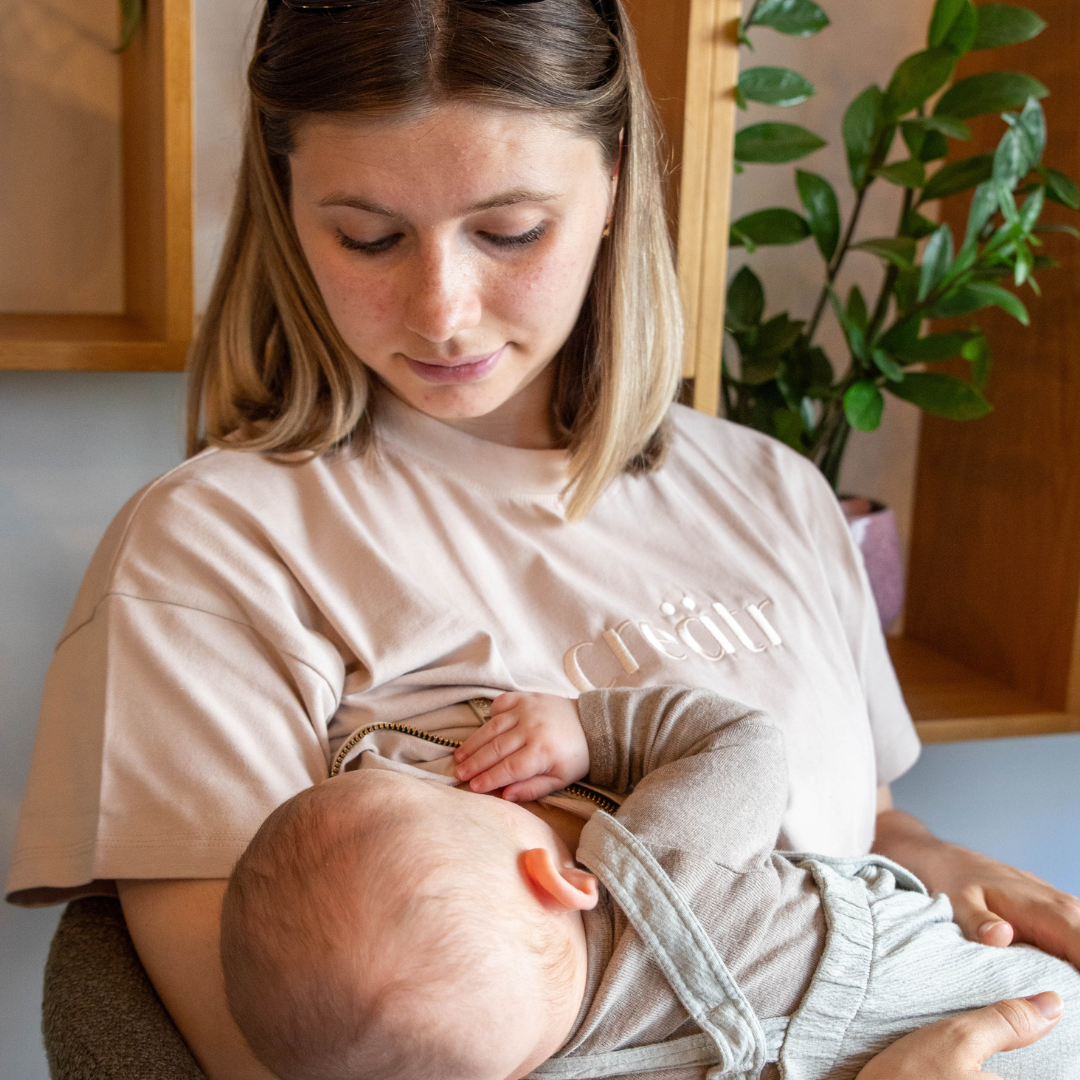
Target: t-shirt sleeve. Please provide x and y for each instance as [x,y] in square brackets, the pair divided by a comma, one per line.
[896,743]
[168,732]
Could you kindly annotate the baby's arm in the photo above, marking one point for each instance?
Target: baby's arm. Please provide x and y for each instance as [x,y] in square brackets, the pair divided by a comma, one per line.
[532,745]
[708,775]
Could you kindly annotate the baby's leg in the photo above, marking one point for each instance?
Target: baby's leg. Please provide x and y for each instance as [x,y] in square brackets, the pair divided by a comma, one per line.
[923,970]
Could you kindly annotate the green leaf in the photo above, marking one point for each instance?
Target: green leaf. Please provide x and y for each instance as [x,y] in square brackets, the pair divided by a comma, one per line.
[1061,188]
[942,395]
[1032,122]
[863,406]
[776,336]
[797,18]
[907,174]
[977,353]
[907,288]
[822,210]
[888,367]
[946,12]
[1003,24]
[901,336]
[856,308]
[775,144]
[918,78]
[916,226]
[1071,230]
[984,205]
[788,427]
[1012,160]
[978,295]
[963,32]
[756,371]
[991,92]
[934,148]
[131,15]
[959,176]
[900,251]
[774,86]
[936,261]
[917,129]
[862,126]
[767,228]
[745,301]
[1032,209]
[934,348]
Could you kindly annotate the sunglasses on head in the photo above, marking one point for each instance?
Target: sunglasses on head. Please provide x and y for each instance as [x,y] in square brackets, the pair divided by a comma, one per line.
[604,8]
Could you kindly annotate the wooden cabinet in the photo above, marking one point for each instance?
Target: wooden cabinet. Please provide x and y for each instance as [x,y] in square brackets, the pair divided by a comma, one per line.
[991,642]
[154,330]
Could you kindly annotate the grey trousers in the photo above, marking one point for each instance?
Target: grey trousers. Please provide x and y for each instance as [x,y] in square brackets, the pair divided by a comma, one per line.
[894,961]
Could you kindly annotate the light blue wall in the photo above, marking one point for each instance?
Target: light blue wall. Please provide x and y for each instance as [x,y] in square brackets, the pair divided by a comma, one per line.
[73,447]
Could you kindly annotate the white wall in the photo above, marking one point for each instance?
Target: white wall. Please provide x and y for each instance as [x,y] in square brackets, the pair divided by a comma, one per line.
[73,447]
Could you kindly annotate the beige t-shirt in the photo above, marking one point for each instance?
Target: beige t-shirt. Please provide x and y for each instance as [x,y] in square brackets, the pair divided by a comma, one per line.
[241,617]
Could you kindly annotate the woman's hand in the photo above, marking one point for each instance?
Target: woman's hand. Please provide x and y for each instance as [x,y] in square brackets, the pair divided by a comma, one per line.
[993,903]
[955,1049]
[532,745]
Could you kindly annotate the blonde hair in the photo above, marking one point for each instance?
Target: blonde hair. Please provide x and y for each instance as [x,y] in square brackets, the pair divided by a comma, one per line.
[269,370]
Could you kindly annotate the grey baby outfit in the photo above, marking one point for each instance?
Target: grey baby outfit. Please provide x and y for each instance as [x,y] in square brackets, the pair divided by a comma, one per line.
[862,954]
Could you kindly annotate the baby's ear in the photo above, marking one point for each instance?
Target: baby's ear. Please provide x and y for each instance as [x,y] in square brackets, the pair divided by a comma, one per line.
[560,888]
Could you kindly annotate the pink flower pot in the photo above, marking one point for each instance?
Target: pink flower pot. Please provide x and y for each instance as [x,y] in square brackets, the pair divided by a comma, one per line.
[873,527]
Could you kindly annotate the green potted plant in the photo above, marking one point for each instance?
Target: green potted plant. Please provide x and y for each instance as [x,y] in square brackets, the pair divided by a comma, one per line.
[777,377]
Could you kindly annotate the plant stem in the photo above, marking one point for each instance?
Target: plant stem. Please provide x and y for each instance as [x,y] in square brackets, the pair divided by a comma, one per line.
[749,20]
[834,266]
[881,309]
[834,440]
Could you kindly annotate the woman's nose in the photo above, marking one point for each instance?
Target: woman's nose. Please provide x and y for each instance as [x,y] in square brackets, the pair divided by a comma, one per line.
[444,296]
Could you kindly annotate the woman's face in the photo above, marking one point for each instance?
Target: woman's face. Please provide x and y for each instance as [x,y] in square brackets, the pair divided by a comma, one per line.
[454,252]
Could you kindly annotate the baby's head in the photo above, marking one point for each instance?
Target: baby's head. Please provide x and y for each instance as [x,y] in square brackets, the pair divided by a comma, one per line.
[380,927]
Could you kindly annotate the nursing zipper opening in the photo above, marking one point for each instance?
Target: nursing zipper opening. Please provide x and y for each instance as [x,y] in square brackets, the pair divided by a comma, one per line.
[609,806]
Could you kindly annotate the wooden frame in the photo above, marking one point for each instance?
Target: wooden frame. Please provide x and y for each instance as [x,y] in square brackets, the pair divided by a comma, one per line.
[689,50]
[154,332]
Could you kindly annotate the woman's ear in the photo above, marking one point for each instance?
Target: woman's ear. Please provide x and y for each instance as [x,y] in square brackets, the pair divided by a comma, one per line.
[562,888]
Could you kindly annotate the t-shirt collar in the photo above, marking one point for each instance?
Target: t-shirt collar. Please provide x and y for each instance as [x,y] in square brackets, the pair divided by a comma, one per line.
[506,468]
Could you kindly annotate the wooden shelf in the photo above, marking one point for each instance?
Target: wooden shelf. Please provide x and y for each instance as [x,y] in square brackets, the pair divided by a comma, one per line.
[951,703]
[156,127]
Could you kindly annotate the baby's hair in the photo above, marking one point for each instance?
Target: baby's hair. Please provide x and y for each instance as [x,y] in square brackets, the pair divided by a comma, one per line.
[345,949]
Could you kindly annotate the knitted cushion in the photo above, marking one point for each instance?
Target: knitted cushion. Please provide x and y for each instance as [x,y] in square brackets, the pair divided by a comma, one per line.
[101,1018]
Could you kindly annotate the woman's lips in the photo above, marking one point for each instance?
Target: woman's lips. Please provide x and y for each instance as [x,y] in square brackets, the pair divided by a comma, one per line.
[464,370]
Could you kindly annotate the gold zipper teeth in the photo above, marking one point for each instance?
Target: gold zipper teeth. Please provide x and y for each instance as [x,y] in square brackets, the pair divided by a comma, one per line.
[602,801]
[606,804]
[359,736]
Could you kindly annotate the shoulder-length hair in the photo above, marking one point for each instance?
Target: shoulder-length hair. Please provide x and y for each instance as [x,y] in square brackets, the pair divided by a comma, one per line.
[269,370]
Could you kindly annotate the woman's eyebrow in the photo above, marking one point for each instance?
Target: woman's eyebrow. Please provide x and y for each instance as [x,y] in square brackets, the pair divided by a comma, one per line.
[509,198]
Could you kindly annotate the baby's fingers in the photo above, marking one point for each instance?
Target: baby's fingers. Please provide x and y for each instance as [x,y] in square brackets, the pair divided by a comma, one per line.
[483,735]
[531,790]
[507,771]
[497,748]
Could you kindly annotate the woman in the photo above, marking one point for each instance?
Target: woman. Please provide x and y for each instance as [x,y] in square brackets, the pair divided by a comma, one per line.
[434,381]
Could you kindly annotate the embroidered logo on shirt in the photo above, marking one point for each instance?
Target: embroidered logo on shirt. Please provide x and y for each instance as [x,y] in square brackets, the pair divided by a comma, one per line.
[707,633]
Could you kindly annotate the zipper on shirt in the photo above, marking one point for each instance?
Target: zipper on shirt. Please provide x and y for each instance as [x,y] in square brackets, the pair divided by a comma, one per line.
[582,791]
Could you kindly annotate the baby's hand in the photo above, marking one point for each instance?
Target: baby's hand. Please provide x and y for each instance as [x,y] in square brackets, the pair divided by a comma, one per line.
[532,745]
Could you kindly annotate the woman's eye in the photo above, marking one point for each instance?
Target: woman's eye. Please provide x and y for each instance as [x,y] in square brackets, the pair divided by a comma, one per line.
[372,247]
[519,240]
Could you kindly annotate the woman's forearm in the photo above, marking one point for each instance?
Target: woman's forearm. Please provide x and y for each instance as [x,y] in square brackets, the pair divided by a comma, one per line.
[907,841]
[176,931]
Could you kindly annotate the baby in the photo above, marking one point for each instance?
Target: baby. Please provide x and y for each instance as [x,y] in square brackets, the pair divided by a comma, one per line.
[382,927]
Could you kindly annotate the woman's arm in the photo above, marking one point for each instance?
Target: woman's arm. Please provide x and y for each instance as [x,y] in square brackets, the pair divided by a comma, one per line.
[176,931]
[992,903]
